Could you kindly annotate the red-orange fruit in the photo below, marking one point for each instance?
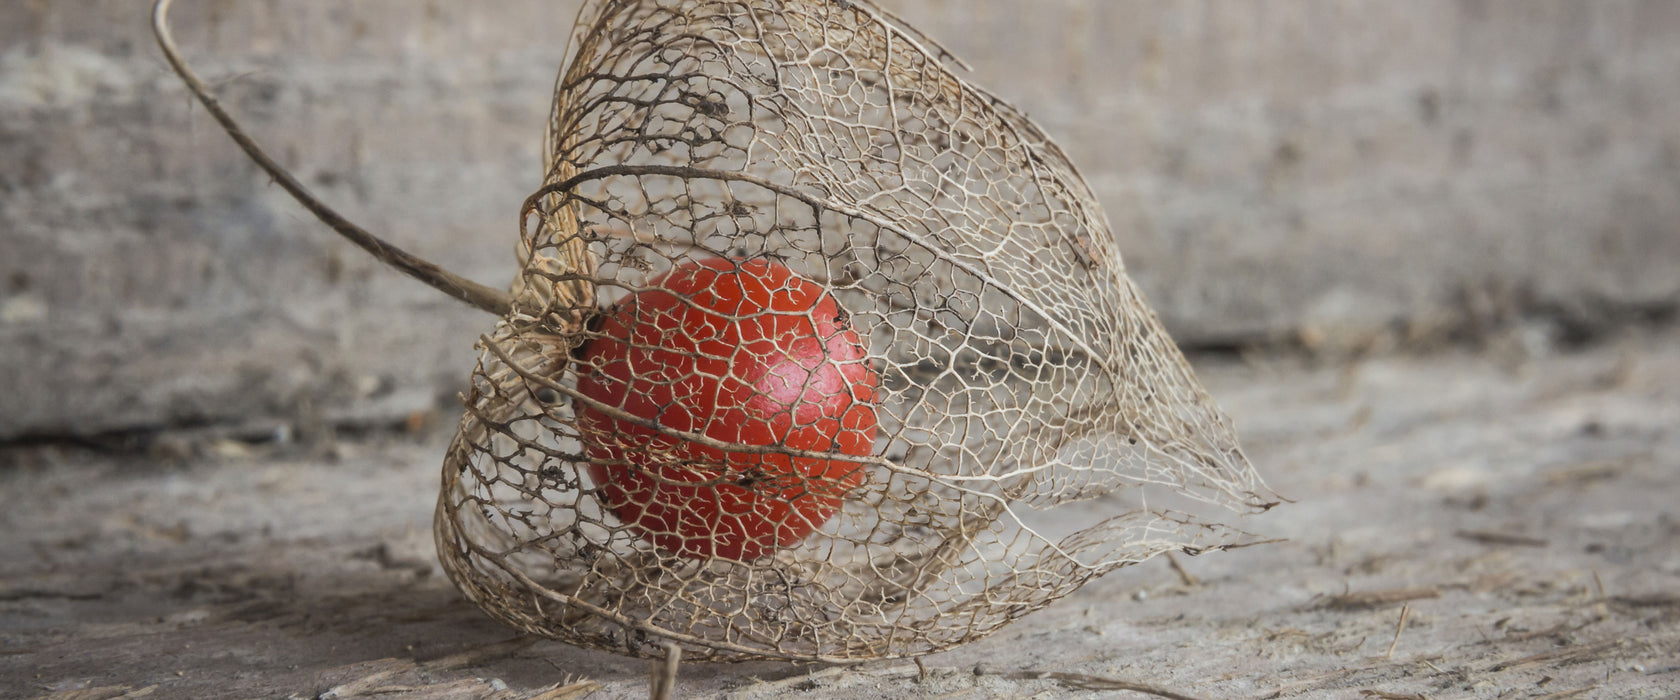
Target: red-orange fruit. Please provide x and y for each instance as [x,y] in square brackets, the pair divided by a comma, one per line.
[743,352]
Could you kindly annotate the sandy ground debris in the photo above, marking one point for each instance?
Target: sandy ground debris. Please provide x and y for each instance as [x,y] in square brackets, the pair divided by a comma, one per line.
[1464,526]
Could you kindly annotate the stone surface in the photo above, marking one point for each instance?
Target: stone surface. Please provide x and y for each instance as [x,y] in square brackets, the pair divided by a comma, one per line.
[164,282]
[1341,166]
[1319,170]
[1519,512]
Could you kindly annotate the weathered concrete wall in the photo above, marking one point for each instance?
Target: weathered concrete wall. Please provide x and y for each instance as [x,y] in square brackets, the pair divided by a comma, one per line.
[1337,168]
[154,277]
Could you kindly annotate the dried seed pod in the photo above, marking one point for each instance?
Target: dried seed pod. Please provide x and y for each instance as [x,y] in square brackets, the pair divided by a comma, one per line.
[1019,421]
[1024,385]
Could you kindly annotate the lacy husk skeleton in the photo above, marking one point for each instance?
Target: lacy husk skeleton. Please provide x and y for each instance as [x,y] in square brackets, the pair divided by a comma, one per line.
[1027,396]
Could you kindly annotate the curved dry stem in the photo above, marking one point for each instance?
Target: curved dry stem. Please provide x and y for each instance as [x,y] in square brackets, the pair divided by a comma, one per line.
[487,298]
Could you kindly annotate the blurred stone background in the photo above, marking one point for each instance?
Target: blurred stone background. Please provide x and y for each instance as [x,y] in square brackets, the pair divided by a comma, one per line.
[1443,237]
[1344,176]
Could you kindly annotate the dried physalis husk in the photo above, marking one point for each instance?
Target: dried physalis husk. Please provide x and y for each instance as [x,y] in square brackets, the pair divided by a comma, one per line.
[636,469]
[816,352]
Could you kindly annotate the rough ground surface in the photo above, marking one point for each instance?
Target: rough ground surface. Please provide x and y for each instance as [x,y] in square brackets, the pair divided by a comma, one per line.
[1519,509]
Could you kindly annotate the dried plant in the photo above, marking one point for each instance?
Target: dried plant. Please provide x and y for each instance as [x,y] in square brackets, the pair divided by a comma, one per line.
[982,400]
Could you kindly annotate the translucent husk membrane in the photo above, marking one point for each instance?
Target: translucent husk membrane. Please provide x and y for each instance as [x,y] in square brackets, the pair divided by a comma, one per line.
[1035,421]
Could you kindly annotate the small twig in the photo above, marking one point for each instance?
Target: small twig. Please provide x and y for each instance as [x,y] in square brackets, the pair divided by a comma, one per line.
[810,679]
[378,674]
[1183,574]
[567,690]
[1385,695]
[1587,472]
[1650,600]
[481,654]
[1372,599]
[1314,683]
[1562,694]
[663,673]
[1405,610]
[1561,655]
[492,300]
[1080,681]
[1500,538]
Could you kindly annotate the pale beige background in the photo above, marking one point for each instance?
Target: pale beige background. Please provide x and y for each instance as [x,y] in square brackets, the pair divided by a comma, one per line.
[1274,170]
[1440,235]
